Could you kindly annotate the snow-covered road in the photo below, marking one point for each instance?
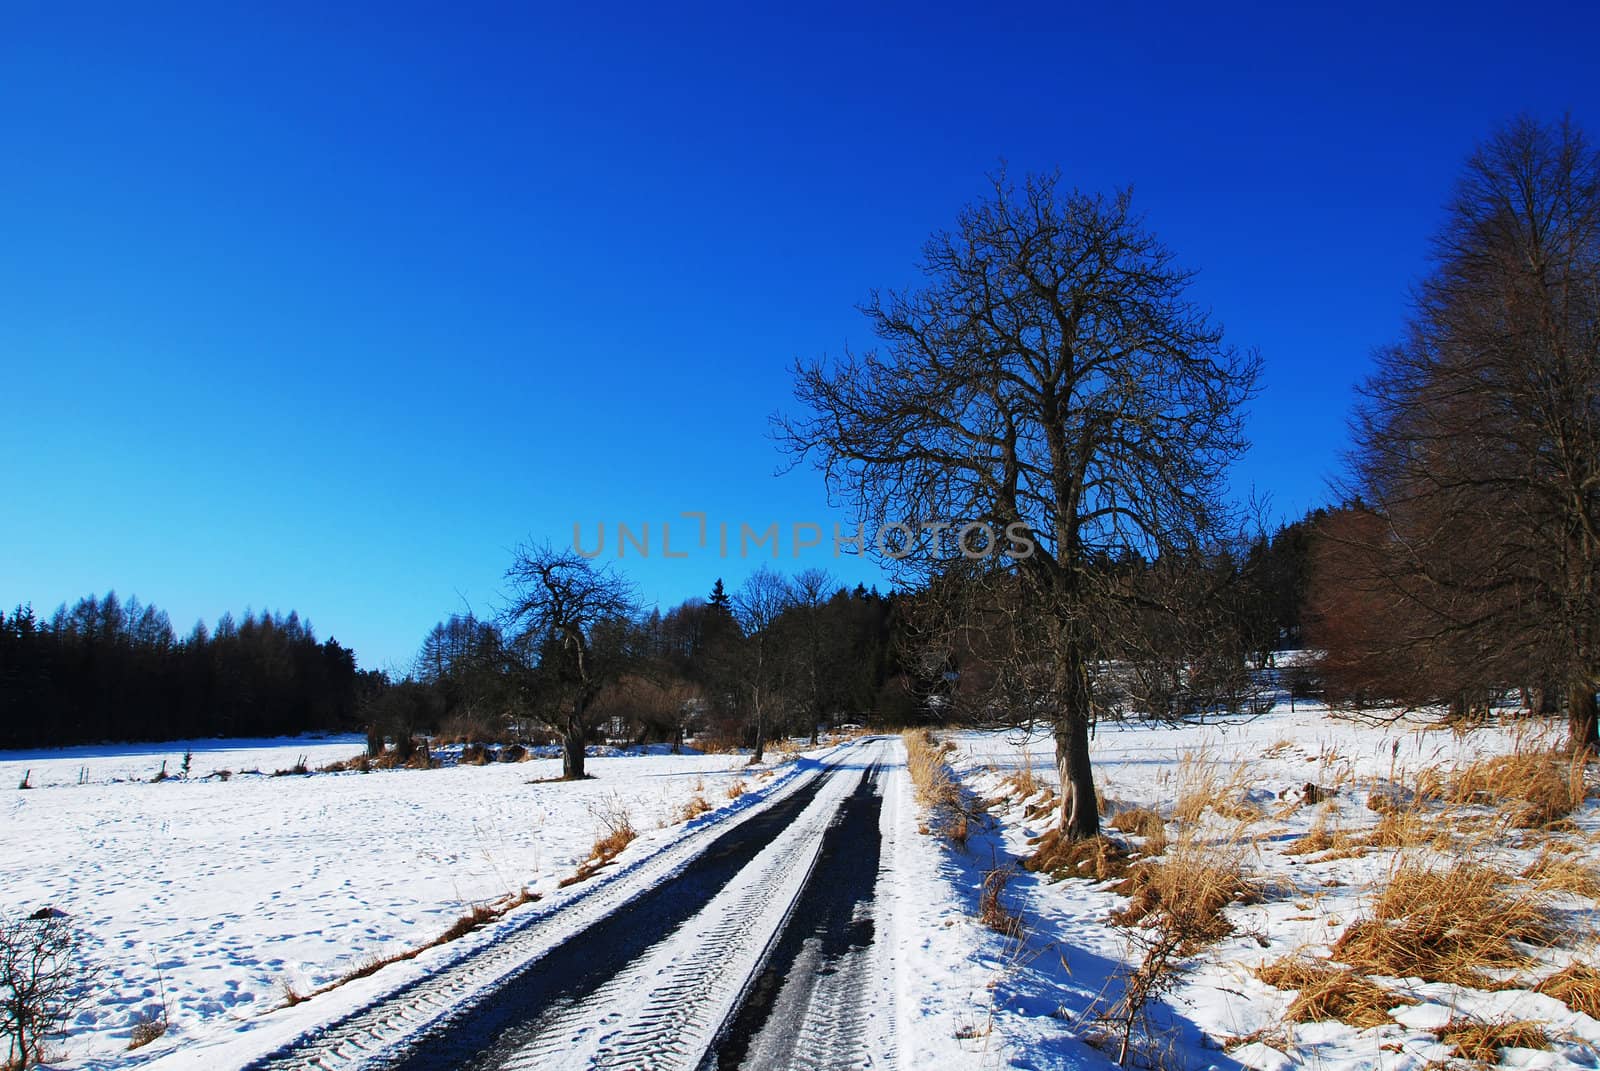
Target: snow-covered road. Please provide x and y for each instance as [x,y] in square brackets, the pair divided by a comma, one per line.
[747,944]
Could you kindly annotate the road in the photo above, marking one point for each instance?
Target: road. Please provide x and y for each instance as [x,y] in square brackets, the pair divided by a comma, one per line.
[755,951]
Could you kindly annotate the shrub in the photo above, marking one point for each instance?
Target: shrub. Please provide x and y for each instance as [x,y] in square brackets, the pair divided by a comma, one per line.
[44,979]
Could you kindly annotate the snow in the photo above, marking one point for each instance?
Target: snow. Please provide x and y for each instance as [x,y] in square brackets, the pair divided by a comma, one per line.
[220,893]
[1072,954]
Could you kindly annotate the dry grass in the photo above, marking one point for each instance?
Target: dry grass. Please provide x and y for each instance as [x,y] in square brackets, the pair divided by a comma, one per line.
[1093,859]
[1564,875]
[616,833]
[1202,786]
[146,1029]
[1144,823]
[1482,1041]
[1190,886]
[937,790]
[1320,838]
[736,790]
[1577,986]
[694,808]
[1022,780]
[1538,786]
[1332,993]
[992,911]
[1445,925]
[477,916]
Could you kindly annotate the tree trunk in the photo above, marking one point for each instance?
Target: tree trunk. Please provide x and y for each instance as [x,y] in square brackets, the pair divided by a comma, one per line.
[761,737]
[572,751]
[1583,733]
[1080,812]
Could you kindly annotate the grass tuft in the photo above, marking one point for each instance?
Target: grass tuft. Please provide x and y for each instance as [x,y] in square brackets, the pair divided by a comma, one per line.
[1191,885]
[1577,986]
[992,911]
[1445,925]
[937,789]
[1481,1042]
[1329,993]
[1093,859]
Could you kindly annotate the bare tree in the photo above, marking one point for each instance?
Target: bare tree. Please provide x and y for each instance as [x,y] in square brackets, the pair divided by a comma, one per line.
[757,606]
[1049,374]
[568,626]
[811,590]
[1478,441]
[43,981]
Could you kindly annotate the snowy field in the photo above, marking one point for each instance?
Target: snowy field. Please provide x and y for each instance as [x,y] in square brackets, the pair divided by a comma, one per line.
[1221,1014]
[219,894]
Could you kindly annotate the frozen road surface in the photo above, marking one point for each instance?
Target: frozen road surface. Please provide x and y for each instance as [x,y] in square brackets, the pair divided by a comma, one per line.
[752,946]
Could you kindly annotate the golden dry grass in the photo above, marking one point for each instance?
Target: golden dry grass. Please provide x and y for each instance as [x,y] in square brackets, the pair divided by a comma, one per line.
[1142,822]
[1482,1041]
[1537,786]
[1327,992]
[1321,838]
[617,833]
[735,790]
[1445,925]
[937,790]
[1564,875]
[1577,986]
[1190,885]
[992,911]
[1094,858]
[1202,785]
[694,808]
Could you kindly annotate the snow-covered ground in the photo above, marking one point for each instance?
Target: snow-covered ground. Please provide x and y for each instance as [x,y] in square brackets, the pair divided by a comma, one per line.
[1068,965]
[214,895]
[218,894]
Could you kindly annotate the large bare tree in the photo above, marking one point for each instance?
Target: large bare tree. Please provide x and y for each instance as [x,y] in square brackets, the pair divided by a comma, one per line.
[1050,372]
[1478,440]
[568,627]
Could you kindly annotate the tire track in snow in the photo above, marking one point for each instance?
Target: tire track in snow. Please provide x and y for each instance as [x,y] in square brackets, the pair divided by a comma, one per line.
[376,1036]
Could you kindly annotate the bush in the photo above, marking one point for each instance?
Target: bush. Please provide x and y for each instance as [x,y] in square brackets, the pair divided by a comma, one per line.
[43,980]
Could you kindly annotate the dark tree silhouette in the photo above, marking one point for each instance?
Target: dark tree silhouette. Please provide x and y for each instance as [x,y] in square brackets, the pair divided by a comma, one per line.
[569,632]
[1478,445]
[1051,374]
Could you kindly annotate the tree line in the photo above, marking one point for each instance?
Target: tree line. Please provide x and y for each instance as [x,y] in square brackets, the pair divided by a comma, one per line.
[105,669]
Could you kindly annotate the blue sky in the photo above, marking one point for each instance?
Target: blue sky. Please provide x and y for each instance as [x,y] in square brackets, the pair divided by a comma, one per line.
[327,307]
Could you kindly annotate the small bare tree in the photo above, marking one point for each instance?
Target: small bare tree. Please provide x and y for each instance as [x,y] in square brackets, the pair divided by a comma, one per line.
[1050,376]
[757,606]
[43,981]
[569,634]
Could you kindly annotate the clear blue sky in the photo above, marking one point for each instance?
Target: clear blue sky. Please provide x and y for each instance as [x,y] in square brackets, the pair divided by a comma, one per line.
[316,307]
